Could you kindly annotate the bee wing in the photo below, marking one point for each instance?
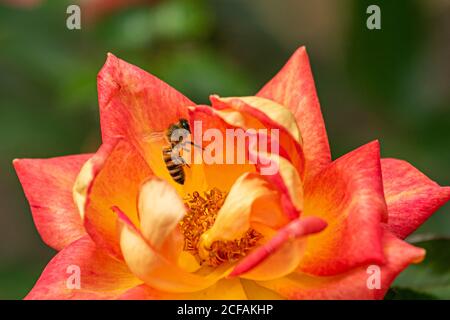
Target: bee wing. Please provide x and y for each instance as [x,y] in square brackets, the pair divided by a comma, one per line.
[155,136]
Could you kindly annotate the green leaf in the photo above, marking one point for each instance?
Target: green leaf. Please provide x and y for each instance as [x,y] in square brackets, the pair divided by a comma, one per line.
[397,293]
[432,276]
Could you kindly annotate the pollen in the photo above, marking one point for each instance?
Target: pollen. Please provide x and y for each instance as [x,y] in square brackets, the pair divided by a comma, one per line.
[201,214]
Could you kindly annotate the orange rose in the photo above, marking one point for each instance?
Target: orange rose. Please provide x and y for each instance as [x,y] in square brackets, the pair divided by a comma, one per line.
[310,230]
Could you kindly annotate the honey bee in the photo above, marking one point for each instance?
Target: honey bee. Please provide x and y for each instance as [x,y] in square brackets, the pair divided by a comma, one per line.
[172,152]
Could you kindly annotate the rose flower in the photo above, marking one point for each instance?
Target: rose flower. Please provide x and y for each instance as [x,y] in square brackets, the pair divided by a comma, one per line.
[310,230]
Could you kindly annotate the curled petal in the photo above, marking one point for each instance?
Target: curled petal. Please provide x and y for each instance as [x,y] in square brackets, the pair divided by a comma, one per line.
[87,174]
[294,88]
[411,197]
[268,112]
[47,184]
[281,254]
[83,271]
[117,183]
[348,195]
[356,284]
[235,216]
[262,114]
[156,270]
[160,210]
[282,174]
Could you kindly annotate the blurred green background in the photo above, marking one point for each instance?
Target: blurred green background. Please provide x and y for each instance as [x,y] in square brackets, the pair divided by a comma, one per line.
[390,84]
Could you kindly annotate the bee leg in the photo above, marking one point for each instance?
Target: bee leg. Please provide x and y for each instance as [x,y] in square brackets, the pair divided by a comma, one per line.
[193,144]
[181,161]
[185,163]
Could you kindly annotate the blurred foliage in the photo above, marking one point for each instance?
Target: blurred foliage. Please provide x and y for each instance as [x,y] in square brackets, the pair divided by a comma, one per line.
[384,55]
[16,278]
[397,293]
[389,84]
[432,276]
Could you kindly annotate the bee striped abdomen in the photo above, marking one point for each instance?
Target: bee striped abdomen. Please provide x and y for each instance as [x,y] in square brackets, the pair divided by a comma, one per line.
[175,170]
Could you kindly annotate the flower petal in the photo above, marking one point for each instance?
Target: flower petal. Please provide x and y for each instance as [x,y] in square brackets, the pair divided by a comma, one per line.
[352,284]
[294,88]
[281,254]
[156,270]
[411,197]
[282,174]
[206,175]
[257,292]
[237,213]
[348,195]
[87,174]
[258,113]
[160,209]
[221,290]
[265,110]
[47,184]
[117,183]
[134,105]
[101,276]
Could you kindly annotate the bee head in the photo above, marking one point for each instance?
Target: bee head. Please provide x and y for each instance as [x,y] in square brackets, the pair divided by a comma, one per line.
[185,124]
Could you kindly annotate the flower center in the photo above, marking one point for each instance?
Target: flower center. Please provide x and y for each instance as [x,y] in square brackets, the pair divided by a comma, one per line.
[200,216]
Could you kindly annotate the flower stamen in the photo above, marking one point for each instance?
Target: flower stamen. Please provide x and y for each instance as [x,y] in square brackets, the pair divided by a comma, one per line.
[200,217]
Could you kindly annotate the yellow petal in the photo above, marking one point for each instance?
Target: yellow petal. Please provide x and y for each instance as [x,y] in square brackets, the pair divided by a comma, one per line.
[282,262]
[188,262]
[258,113]
[284,176]
[160,210]
[275,111]
[281,254]
[233,219]
[222,290]
[87,174]
[226,289]
[80,186]
[158,272]
[256,292]
[208,173]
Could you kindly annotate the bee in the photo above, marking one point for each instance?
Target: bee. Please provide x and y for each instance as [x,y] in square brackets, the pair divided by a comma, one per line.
[172,152]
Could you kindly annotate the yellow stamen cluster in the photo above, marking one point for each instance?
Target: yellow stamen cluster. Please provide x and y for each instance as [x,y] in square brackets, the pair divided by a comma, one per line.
[201,214]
